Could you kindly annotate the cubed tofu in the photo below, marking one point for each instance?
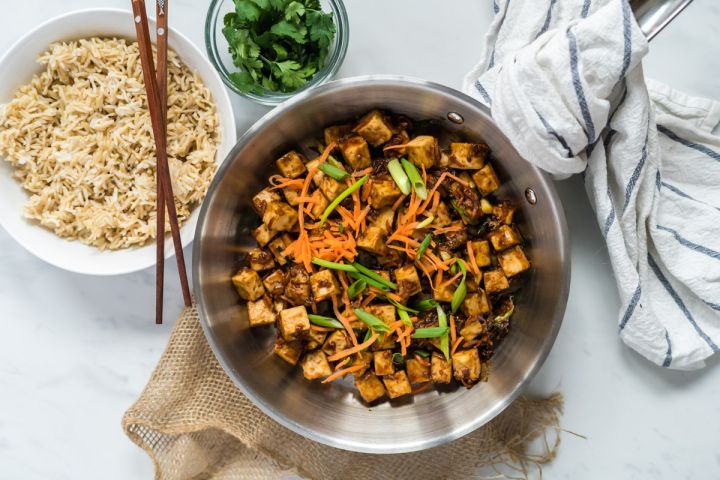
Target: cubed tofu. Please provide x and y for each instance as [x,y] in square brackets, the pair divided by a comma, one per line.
[391,258]
[294,323]
[442,216]
[481,249]
[407,281]
[292,164]
[373,241]
[355,151]
[262,235]
[473,282]
[505,212]
[292,196]
[383,192]
[315,339]
[466,366]
[319,204]
[417,371]
[336,132]
[288,351]
[476,303]
[504,237]
[248,284]
[275,283]
[440,369]
[278,245]
[513,261]
[473,327]
[383,364]
[260,312]
[315,365]
[331,188]
[365,359]
[260,259]
[384,220]
[323,285]
[444,293]
[374,128]
[263,199]
[386,313]
[486,180]
[467,156]
[319,175]
[297,288]
[279,305]
[495,281]
[444,160]
[280,217]
[423,151]
[336,342]
[397,384]
[370,387]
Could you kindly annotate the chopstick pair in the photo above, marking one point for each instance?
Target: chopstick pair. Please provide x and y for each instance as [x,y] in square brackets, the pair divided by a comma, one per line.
[156,89]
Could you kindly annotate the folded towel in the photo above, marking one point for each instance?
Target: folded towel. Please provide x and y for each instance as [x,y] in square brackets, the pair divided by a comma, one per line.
[565,83]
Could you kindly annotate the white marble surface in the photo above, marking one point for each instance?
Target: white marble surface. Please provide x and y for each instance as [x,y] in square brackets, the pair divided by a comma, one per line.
[75,351]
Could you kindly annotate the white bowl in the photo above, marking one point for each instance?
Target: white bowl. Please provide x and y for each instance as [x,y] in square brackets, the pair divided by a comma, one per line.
[18,66]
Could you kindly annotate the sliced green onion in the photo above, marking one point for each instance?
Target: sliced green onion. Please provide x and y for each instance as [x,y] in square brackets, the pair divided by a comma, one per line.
[445,339]
[343,195]
[397,173]
[341,227]
[356,288]
[415,178]
[371,320]
[461,210]
[398,359]
[425,222]
[400,306]
[333,265]
[369,273]
[425,304]
[423,246]
[324,321]
[333,161]
[422,353]
[372,282]
[404,317]
[430,332]
[461,290]
[333,171]
[506,315]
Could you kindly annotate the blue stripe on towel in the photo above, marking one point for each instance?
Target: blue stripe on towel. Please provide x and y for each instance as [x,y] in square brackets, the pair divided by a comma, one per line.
[658,181]
[589,126]
[678,301]
[695,146]
[548,17]
[585,9]
[691,245]
[679,192]
[627,34]
[611,216]
[483,92]
[636,174]
[495,6]
[668,354]
[630,308]
[714,306]
[549,128]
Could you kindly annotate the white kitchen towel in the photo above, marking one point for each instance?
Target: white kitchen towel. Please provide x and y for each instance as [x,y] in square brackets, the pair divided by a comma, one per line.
[565,83]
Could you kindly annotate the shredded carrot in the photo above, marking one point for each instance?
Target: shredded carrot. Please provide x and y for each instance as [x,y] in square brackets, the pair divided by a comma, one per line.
[295,184]
[318,328]
[421,388]
[421,360]
[360,220]
[343,372]
[433,190]
[451,228]
[435,260]
[395,147]
[473,262]
[456,345]
[459,180]
[342,363]
[369,299]
[360,173]
[342,319]
[394,296]
[449,281]
[398,202]
[355,349]
[453,334]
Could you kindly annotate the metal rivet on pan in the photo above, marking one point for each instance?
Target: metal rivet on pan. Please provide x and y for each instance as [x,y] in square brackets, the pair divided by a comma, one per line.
[455,118]
[530,196]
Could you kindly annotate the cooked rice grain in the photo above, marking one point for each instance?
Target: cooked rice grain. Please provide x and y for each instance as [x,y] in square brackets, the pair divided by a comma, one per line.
[80,139]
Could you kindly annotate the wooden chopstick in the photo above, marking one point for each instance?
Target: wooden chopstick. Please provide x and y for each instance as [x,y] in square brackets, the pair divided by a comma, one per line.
[158,126]
[161,35]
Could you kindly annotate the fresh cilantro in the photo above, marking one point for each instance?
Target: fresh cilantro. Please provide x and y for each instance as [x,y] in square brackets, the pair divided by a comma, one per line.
[277,45]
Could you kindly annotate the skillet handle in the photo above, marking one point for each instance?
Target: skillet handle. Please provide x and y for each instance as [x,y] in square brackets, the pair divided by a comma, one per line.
[654,15]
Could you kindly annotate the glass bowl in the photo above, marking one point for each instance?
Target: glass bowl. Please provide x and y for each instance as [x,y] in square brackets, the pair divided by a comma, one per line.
[217,49]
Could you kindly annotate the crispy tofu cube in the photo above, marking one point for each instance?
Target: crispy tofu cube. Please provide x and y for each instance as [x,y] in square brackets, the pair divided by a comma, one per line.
[260,259]
[323,285]
[336,132]
[444,293]
[294,323]
[278,245]
[319,175]
[315,365]
[275,283]
[297,286]
[292,164]
[263,199]
[384,220]
[320,203]
[504,237]
[513,261]
[260,312]
[473,327]
[481,249]
[397,384]
[374,128]
[442,216]
[315,339]
[407,281]
[444,160]
[336,342]
[476,303]
[262,235]
[486,180]
[370,387]
[331,188]
[280,217]
[495,281]
[383,362]
[417,371]
[383,192]
[355,151]
[292,196]
[365,359]
[288,351]
[373,241]
[423,150]
[466,366]
[467,156]
[248,284]
[386,313]
[505,212]
[472,282]
[440,369]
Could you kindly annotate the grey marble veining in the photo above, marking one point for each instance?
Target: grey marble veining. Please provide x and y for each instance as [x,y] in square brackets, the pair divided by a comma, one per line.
[75,351]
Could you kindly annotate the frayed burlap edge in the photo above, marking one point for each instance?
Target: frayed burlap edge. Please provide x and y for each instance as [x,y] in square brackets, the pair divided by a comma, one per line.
[194,423]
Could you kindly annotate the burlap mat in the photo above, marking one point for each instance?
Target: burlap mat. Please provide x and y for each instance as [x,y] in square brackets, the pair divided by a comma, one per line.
[194,423]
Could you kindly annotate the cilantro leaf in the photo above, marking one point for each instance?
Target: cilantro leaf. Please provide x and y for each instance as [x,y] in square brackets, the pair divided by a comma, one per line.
[283,28]
[294,11]
[322,28]
[246,10]
[245,82]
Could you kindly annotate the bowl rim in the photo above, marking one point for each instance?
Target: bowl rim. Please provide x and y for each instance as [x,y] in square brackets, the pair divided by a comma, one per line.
[364,447]
[231,130]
